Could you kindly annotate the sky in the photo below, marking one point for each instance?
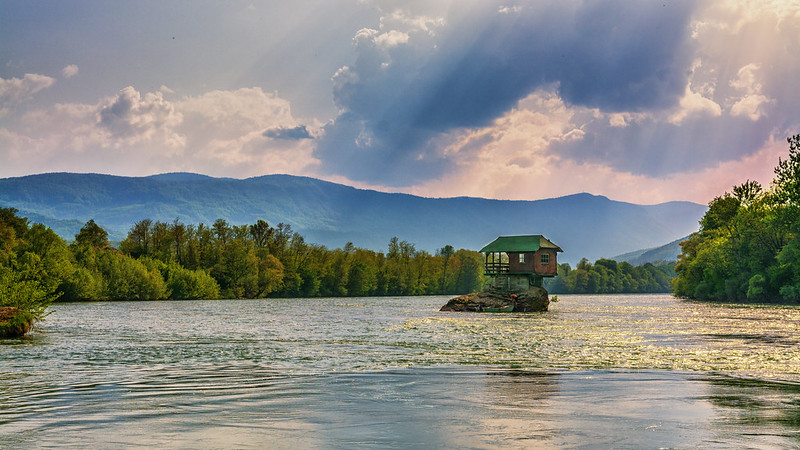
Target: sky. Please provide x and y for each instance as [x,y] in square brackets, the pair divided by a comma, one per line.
[640,101]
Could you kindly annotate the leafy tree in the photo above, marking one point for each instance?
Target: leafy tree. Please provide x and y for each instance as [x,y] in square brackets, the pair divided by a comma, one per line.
[746,246]
[12,227]
[19,291]
[137,243]
[608,276]
[92,235]
[469,273]
[185,284]
[446,252]
[270,275]
[30,269]
[787,175]
[261,233]
[129,279]
[237,270]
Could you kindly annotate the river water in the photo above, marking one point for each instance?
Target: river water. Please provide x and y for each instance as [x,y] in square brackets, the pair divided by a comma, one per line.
[635,371]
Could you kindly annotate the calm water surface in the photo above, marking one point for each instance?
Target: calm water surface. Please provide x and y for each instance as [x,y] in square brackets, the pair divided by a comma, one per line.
[596,371]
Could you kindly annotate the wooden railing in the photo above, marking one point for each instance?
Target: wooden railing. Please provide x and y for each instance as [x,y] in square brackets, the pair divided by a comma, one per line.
[495,268]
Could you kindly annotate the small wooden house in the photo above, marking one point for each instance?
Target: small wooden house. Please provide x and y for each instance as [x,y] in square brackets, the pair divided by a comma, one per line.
[517,263]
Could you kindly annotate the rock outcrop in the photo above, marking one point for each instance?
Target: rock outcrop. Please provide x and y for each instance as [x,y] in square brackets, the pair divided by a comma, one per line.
[13,322]
[534,299]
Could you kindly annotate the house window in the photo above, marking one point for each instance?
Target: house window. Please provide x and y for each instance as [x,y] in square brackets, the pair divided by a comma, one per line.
[522,258]
[545,258]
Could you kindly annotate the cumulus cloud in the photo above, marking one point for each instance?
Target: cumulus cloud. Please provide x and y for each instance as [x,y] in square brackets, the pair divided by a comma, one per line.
[16,90]
[391,38]
[751,104]
[69,71]
[138,133]
[131,118]
[399,102]
[695,102]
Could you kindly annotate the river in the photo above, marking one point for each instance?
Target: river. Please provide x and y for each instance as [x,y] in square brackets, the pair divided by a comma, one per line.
[635,371]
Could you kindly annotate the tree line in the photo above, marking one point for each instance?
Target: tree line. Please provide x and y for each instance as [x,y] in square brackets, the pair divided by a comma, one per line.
[607,276]
[258,260]
[172,260]
[159,260]
[748,245]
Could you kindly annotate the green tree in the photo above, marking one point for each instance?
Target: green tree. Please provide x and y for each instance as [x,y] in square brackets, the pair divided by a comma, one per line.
[237,270]
[92,235]
[446,252]
[469,274]
[787,174]
[125,278]
[137,243]
[744,249]
[270,275]
[31,265]
[261,233]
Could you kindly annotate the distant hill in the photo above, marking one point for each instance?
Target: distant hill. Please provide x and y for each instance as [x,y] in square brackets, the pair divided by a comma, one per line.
[665,253]
[332,214]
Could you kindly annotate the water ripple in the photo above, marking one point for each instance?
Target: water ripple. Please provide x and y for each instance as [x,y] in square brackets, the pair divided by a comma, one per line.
[295,370]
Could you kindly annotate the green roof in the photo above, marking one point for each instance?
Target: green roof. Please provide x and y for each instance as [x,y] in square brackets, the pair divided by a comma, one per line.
[528,243]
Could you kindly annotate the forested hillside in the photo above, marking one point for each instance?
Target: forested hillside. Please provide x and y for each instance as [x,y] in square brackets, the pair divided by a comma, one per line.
[332,214]
[667,253]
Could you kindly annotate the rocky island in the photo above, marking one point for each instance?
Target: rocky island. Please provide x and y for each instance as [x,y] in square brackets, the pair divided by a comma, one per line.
[516,266]
[497,300]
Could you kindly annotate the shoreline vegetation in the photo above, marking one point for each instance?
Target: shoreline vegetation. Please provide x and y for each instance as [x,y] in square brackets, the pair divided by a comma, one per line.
[748,245]
[159,260]
[13,322]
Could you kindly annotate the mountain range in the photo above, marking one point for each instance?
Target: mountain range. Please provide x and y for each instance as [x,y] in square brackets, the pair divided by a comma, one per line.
[331,214]
[665,253]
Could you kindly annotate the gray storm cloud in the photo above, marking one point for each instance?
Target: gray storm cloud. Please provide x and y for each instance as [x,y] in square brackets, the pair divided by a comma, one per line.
[291,134]
[406,91]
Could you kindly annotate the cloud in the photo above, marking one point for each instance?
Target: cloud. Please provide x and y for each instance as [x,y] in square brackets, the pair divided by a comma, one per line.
[512,161]
[478,97]
[218,133]
[730,107]
[694,103]
[391,38]
[69,71]
[131,118]
[298,132]
[400,102]
[751,104]
[727,123]
[15,90]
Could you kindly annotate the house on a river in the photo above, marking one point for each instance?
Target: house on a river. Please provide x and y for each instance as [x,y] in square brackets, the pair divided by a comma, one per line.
[518,263]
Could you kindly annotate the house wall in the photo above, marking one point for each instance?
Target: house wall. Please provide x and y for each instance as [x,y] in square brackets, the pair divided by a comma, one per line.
[515,283]
[519,283]
[551,268]
[514,266]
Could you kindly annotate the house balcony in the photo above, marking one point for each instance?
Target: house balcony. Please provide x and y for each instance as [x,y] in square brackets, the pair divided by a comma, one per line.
[496,268]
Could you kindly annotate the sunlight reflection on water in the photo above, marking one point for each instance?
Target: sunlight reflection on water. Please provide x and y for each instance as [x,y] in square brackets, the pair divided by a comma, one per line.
[394,372]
